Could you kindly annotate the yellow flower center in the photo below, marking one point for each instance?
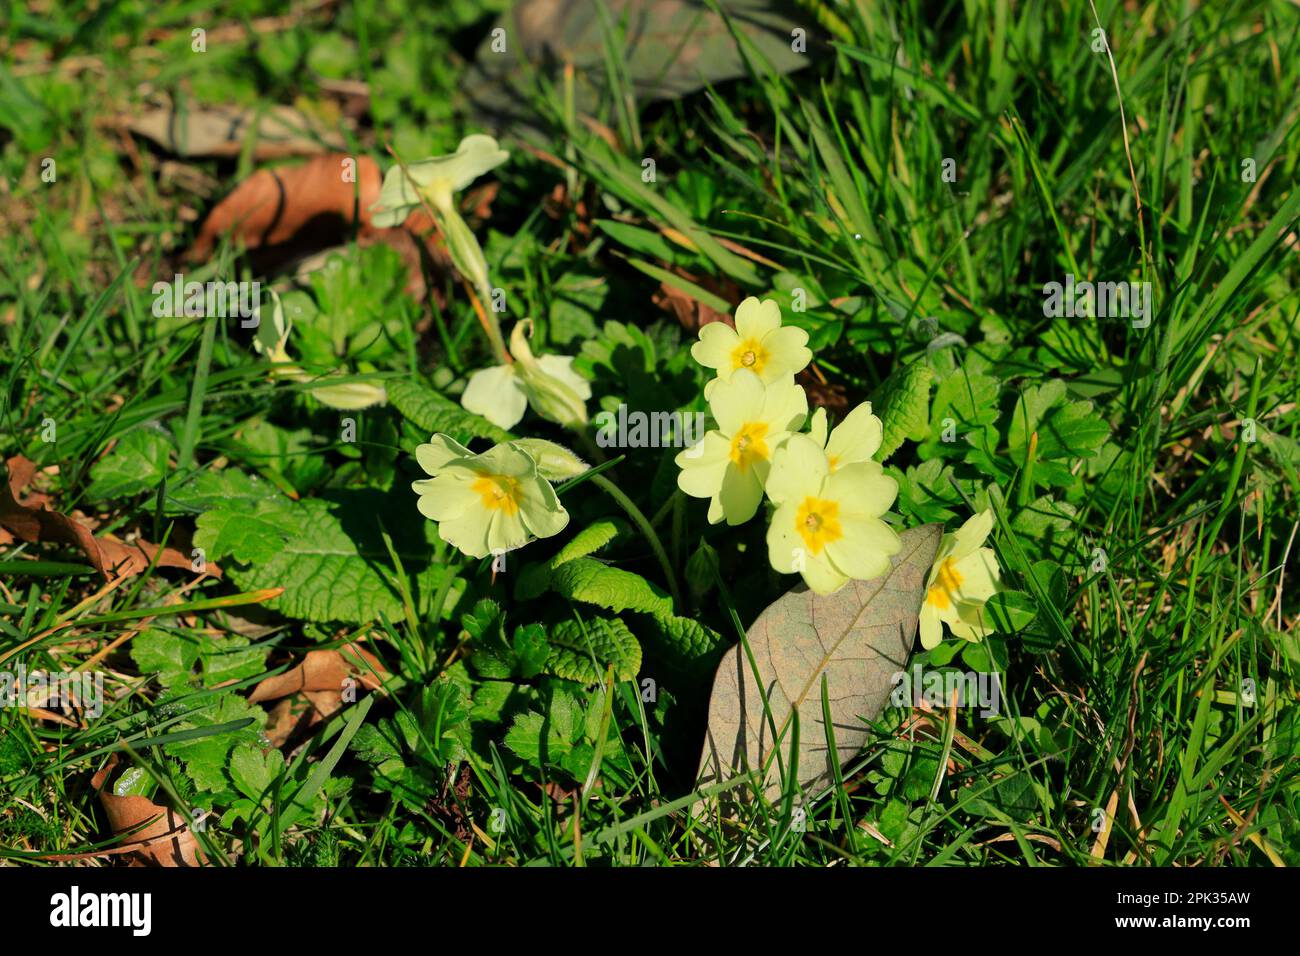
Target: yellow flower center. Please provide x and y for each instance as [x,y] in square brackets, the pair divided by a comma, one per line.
[749,354]
[498,493]
[749,444]
[946,583]
[818,523]
[832,461]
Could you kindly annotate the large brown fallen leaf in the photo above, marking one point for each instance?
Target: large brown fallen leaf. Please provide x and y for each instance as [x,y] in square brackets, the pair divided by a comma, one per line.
[30,520]
[223,131]
[273,206]
[856,638]
[167,841]
[294,213]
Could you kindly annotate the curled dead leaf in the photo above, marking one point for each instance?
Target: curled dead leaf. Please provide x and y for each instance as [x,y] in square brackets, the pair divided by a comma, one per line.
[283,209]
[323,671]
[163,836]
[30,520]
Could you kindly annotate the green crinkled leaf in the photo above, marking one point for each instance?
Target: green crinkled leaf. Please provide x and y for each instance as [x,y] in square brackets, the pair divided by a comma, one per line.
[685,642]
[229,488]
[531,733]
[335,566]
[206,758]
[436,413]
[169,657]
[582,650]
[137,463]
[1065,429]
[970,398]
[249,534]
[903,405]
[231,657]
[592,581]
[587,541]
[254,770]
[536,578]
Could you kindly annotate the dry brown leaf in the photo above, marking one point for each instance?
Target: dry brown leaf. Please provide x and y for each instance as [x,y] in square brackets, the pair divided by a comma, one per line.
[692,313]
[167,841]
[287,717]
[323,672]
[32,521]
[273,207]
[854,640]
[223,130]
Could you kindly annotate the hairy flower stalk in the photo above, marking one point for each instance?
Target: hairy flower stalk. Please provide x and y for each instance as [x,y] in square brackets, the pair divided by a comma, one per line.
[433,183]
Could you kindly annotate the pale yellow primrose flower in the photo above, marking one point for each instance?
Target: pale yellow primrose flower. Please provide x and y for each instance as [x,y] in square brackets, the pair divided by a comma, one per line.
[827,523]
[758,343]
[435,179]
[731,464]
[548,383]
[857,438]
[964,577]
[489,503]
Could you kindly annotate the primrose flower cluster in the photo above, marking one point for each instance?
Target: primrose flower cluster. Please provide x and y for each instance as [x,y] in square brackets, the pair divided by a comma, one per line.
[829,494]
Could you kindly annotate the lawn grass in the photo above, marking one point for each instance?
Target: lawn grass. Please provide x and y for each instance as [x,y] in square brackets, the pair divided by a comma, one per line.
[1146,504]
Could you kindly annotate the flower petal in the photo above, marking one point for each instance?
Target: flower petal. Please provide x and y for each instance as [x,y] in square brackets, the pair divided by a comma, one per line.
[972,534]
[799,469]
[561,367]
[541,510]
[820,575]
[469,532]
[754,319]
[785,405]
[783,541]
[931,628]
[505,532]
[864,549]
[717,341]
[508,459]
[439,450]
[495,394]
[701,473]
[741,493]
[476,155]
[447,496]
[788,352]
[856,438]
[979,576]
[817,426]
[862,489]
[737,401]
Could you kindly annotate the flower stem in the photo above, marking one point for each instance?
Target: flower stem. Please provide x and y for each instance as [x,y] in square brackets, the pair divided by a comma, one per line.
[645,528]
